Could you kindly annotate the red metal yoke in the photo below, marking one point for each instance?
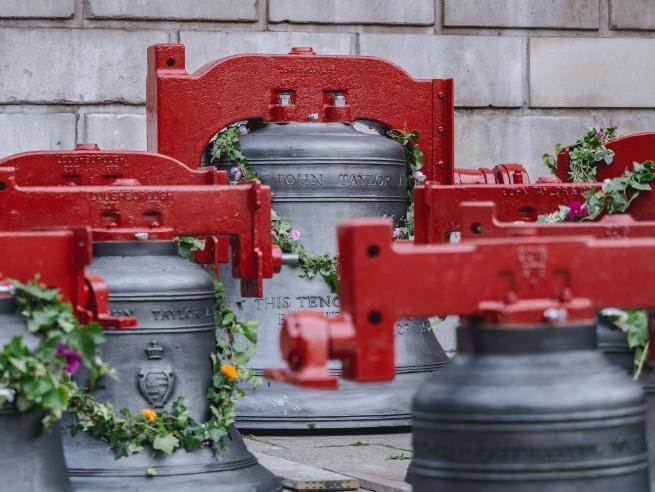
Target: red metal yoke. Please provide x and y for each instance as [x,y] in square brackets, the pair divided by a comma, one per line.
[128,210]
[88,165]
[59,258]
[184,111]
[516,281]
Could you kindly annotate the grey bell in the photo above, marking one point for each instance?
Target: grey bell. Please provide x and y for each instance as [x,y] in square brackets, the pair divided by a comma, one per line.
[524,409]
[31,458]
[322,174]
[165,356]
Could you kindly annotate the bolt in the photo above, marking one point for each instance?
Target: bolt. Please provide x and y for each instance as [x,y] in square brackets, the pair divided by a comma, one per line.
[441,129]
[339,100]
[284,98]
[313,116]
[141,236]
[441,94]
[554,315]
[440,164]
[7,290]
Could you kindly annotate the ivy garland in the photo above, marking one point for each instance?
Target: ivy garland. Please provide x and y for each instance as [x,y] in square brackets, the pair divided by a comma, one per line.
[39,379]
[42,379]
[615,196]
[585,154]
[227,145]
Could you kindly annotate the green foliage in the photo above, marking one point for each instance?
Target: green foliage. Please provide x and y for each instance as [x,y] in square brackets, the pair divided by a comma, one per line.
[634,323]
[585,154]
[40,379]
[236,347]
[226,145]
[414,159]
[188,245]
[615,196]
[311,265]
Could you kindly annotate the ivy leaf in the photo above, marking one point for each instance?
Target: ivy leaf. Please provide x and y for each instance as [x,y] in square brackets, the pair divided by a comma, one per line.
[166,444]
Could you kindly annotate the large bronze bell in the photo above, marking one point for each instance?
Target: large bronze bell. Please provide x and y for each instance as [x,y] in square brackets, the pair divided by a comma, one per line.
[31,458]
[166,356]
[613,343]
[322,174]
[530,409]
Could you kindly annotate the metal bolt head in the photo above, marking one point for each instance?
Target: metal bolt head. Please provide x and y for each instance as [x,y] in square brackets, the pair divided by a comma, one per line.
[141,236]
[339,100]
[313,116]
[555,314]
[7,290]
[284,99]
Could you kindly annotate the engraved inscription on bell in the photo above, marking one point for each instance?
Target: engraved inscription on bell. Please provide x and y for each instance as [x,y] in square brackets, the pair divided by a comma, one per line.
[156,385]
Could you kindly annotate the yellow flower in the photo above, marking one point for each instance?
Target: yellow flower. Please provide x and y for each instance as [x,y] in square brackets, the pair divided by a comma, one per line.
[229,371]
[148,414]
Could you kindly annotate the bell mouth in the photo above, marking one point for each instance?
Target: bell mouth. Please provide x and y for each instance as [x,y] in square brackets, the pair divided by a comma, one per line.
[497,339]
[135,248]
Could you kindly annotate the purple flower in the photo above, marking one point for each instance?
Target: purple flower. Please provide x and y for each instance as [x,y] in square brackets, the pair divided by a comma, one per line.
[73,358]
[236,173]
[599,133]
[294,234]
[577,210]
[243,130]
[396,233]
[419,176]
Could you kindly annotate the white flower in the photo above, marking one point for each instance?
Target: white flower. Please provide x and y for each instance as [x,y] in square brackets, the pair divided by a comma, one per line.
[7,394]
[619,317]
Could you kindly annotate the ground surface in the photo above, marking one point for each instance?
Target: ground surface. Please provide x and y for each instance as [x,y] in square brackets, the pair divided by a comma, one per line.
[378,461]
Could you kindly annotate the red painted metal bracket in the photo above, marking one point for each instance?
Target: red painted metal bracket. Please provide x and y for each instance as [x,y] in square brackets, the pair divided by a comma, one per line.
[158,212]
[638,147]
[513,281]
[90,166]
[437,208]
[184,111]
[59,259]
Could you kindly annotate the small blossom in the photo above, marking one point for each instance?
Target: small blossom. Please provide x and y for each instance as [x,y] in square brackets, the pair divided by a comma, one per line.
[243,130]
[419,176]
[149,414]
[396,233]
[294,234]
[7,394]
[599,133]
[73,358]
[229,372]
[577,210]
[236,173]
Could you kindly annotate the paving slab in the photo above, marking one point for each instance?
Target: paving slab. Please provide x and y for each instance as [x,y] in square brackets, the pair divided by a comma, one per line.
[378,461]
[303,478]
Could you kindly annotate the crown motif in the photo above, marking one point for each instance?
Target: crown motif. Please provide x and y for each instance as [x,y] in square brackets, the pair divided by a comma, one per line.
[155,351]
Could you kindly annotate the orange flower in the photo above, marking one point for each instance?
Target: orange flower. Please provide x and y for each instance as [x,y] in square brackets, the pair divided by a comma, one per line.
[148,414]
[229,371]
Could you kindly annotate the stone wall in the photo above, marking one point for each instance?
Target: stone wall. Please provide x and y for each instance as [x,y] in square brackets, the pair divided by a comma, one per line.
[528,73]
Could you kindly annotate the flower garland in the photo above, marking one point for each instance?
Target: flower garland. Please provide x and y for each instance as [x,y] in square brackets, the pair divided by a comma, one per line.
[41,379]
[227,145]
[585,154]
[615,195]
